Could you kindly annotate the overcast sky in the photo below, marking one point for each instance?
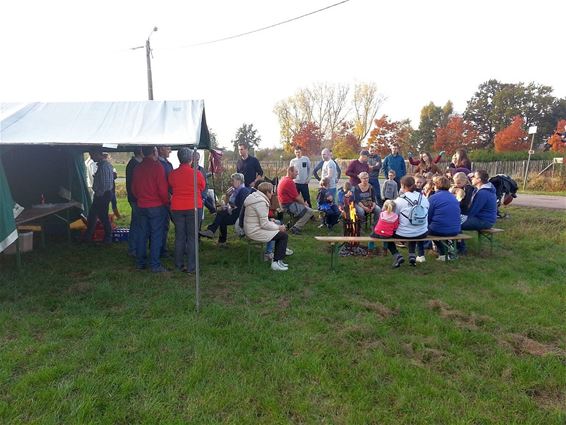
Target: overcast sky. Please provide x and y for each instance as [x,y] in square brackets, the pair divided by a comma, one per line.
[414,51]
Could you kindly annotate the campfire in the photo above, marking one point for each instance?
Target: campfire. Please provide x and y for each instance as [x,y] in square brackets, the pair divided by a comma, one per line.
[352,225]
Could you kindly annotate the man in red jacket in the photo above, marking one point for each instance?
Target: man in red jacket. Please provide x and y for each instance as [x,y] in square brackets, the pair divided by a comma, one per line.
[292,201]
[149,186]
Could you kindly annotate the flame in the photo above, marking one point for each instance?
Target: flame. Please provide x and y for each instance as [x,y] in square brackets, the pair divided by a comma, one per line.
[352,211]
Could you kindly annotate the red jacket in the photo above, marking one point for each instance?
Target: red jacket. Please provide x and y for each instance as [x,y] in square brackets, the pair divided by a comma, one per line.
[287,191]
[181,181]
[149,185]
[387,224]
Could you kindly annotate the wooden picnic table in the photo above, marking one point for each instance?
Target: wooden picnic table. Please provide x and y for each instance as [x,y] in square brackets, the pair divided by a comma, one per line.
[37,215]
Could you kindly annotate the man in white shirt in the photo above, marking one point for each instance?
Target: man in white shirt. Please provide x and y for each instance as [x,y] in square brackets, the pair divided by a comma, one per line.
[303,166]
[329,170]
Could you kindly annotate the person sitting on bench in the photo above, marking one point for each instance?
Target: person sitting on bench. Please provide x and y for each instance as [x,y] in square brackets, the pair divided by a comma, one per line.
[443,216]
[228,214]
[483,208]
[292,201]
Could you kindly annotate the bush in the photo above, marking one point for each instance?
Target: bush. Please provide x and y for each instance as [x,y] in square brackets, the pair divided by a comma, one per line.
[545,184]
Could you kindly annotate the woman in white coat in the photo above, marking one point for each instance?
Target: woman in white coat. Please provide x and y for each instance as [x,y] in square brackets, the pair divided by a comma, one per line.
[258,227]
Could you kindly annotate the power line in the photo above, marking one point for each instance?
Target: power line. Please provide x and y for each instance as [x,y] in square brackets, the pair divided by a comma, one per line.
[263,28]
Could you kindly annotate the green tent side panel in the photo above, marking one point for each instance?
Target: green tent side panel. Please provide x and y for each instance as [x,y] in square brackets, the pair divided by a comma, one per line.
[79,188]
[8,232]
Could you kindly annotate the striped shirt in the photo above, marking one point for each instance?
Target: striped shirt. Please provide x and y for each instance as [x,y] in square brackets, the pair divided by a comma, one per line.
[103,178]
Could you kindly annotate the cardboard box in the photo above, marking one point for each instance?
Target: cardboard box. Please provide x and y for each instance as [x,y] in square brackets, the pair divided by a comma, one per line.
[26,244]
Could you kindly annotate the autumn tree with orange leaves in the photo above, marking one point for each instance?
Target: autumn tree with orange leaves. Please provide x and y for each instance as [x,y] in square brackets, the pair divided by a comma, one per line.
[386,132]
[309,138]
[457,134]
[555,142]
[512,137]
[345,144]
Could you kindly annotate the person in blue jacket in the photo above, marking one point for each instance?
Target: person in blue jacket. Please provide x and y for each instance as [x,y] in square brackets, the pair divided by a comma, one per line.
[394,161]
[482,213]
[443,214]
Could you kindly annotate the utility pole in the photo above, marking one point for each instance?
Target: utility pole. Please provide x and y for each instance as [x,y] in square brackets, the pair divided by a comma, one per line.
[149,78]
[148,62]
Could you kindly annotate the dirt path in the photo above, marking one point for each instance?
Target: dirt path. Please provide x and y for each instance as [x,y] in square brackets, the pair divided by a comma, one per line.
[540,201]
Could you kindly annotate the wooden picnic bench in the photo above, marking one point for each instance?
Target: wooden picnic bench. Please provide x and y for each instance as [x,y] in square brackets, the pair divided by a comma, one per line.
[336,241]
[488,234]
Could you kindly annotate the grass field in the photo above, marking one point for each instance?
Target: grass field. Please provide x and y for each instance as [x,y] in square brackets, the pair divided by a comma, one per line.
[84,338]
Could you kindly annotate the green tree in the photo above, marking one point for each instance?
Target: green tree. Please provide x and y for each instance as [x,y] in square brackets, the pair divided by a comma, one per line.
[246,134]
[432,117]
[495,104]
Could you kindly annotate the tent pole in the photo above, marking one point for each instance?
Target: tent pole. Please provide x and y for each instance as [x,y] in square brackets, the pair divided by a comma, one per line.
[197,218]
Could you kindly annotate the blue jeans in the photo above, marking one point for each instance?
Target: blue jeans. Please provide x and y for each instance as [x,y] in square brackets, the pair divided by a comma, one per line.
[333,193]
[375,184]
[134,228]
[474,223]
[471,223]
[184,221]
[151,223]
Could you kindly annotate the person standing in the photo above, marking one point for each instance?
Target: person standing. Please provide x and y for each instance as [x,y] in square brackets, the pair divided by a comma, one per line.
[358,166]
[102,184]
[329,171]
[394,161]
[164,152]
[318,168]
[374,163]
[182,186]
[149,186]
[134,217]
[303,165]
[248,165]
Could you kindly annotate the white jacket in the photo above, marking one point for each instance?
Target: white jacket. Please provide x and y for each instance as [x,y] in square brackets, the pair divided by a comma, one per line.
[256,222]
[402,207]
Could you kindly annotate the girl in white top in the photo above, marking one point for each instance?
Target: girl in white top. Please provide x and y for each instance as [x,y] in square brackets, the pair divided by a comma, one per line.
[406,229]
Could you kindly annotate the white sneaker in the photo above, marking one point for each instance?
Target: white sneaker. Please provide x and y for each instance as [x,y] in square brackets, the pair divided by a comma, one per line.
[421,259]
[289,252]
[441,258]
[268,256]
[279,266]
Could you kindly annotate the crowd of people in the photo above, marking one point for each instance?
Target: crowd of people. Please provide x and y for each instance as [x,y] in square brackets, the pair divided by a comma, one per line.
[429,202]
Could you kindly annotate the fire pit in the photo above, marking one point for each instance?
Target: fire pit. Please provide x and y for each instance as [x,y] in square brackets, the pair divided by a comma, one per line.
[352,225]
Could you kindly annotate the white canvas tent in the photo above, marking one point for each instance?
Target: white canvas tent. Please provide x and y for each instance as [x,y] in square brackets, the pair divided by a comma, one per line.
[83,125]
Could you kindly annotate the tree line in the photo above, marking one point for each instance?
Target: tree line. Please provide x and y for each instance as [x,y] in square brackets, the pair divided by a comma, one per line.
[345,118]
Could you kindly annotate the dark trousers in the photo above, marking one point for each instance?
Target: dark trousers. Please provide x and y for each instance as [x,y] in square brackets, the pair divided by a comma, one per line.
[165,232]
[184,221]
[151,225]
[374,181]
[411,245]
[472,223]
[303,189]
[280,240]
[222,221]
[134,229]
[99,209]
[440,245]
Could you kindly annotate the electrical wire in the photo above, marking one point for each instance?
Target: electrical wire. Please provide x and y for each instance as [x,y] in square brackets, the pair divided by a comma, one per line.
[262,28]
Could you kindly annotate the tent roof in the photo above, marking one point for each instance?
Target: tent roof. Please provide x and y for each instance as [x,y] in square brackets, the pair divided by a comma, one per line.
[175,123]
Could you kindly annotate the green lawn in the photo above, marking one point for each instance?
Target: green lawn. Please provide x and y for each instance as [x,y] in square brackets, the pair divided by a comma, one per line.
[84,338]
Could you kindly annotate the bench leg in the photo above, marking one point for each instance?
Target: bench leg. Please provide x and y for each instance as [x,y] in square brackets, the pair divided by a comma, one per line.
[332,249]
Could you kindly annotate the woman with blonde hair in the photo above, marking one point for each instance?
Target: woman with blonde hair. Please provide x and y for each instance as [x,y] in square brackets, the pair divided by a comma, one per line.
[258,227]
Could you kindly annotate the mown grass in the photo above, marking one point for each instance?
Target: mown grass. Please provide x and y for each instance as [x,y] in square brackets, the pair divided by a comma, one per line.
[86,339]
